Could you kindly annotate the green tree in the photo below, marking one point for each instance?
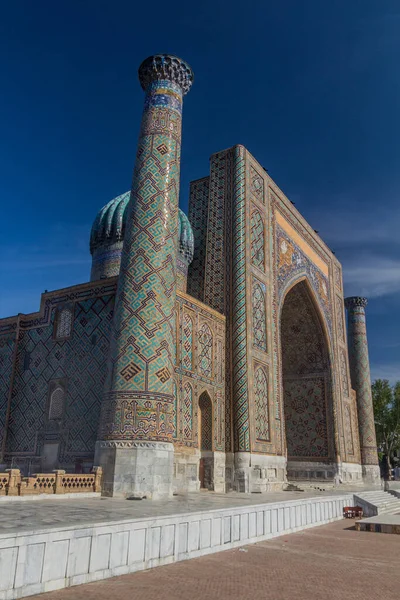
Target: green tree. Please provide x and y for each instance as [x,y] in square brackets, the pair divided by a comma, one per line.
[386,399]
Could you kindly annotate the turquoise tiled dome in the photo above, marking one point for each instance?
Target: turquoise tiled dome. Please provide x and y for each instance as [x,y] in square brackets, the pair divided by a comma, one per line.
[109,227]
[186,238]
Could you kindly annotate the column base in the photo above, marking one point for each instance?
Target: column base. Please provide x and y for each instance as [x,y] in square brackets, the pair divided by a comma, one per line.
[257,473]
[242,472]
[136,469]
[186,470]
[350,473]
[371,474]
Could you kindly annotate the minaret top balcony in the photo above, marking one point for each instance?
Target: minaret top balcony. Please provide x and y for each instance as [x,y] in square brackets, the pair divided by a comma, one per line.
[166,67]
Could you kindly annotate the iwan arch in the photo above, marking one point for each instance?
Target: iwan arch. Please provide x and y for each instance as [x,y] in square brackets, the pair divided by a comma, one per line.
[208,351]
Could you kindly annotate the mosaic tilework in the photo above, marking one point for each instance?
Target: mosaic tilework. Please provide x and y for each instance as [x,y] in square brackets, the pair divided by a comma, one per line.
[81,361]
[187,343]
[257,240]
[303,348]
[305,364]
[214,285]
[139,402]
[64,323]
[205,359]
[106,262]
[256,184]
[305,418]
[220,361]
[343,372]
[175,411]
[259,317]
[240,398]
[261,405]
[188,412]
[360,377]
[199,380]
[108,232]
[292,262]
[348,430]
[206,428]
[198,217]
[339,319]
[6,363]
[57,400]
[276,329]
[337,276]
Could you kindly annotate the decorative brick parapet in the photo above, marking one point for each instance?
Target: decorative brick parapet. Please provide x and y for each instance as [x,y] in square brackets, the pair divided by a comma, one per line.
[57,482]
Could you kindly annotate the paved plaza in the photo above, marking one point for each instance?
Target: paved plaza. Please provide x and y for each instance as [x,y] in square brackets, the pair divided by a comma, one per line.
[331,562]
[43,514]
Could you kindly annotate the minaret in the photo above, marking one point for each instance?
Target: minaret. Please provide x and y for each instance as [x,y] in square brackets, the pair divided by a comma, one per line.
[361,383]
[135,442]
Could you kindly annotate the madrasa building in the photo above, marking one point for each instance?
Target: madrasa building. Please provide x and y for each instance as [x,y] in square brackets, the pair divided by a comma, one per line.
[207,351]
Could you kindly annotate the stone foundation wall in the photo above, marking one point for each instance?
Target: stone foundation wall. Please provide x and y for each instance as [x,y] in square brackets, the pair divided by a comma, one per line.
[33,563]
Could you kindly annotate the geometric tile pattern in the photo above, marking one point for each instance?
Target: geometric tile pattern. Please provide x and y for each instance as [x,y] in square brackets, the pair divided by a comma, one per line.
[337,277]
[256,185]
[257,240]
[6,364]
[305,418]
[348,430]
[187,412]
[64,323]
[143,327]
[339,316]
[80,360]
[302,340]
[205,356]
[107,236]
[306,378]
[214,285]
[361,378]
[56,408]
[239,326]
[198,217]
[187,343]
[206,428]
[291,262]
[261,405]
[259,317]
[209,327]
[343,372]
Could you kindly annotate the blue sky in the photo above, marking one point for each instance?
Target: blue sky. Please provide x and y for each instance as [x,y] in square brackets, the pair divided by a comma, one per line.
[311,88]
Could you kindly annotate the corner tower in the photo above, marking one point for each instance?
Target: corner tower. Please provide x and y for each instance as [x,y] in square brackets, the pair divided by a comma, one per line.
[135,443]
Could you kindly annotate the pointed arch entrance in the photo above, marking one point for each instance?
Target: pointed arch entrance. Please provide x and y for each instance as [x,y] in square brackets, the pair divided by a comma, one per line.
[307,387]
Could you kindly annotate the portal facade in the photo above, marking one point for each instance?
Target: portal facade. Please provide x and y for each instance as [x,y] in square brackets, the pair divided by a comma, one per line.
[208,351]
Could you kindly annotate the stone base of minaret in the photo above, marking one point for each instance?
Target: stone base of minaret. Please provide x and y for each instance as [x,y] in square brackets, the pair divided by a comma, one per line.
[371,474]
[136,469]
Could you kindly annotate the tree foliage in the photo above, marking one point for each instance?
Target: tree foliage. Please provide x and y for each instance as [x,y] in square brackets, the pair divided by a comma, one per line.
[386,399]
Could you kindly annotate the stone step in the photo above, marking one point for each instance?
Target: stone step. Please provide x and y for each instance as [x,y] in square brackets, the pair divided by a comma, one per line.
[383,502]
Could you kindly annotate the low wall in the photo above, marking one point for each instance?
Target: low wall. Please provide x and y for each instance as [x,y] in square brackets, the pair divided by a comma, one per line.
[45,560]
[12,484]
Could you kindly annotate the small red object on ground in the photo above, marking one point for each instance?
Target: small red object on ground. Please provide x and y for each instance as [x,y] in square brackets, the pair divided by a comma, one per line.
[352,512]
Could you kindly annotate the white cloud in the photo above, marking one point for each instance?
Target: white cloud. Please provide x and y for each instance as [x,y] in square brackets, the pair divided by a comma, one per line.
[347,226]
[371,276]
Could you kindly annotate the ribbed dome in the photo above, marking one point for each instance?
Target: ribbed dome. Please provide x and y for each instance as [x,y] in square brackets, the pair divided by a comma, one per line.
[186,238]
[109,227]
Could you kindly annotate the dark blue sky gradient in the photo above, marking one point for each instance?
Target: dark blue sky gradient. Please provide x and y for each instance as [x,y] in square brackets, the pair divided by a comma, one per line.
[311,88]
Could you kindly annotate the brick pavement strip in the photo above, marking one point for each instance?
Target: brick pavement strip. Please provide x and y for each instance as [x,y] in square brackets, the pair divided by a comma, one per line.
[330,562]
